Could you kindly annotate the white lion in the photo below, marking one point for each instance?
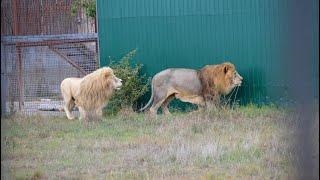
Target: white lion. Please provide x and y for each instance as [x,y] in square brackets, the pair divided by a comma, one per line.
[90,93]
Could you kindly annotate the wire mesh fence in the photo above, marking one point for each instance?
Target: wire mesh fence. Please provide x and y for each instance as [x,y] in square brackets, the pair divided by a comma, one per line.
[42,43]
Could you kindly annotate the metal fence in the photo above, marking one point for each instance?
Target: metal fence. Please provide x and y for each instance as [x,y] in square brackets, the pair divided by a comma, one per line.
[42,43]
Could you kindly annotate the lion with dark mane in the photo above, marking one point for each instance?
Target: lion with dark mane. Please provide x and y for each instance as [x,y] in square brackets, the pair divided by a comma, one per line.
[194,86]
[90,93]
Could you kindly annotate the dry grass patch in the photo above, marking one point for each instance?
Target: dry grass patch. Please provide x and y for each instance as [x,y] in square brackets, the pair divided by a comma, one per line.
[247,142]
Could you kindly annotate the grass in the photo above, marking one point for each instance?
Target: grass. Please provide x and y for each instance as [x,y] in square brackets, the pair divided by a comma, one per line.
[249,142]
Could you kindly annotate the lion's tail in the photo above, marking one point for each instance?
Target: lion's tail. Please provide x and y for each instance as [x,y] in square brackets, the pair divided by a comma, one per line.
[150,100]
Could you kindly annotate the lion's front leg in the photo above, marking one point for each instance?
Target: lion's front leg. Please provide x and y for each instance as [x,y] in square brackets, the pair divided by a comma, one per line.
[99,114]
[83,116]
[212,101]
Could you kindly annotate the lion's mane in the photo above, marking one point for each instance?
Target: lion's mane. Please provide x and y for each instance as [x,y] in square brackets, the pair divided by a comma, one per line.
[216,79]
[95,89]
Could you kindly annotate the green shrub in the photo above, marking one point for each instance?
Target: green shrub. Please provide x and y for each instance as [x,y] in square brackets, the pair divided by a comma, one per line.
[88,5]
[133,87]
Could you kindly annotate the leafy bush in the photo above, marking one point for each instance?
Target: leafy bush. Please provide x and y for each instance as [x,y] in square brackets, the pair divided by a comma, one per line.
[88,5]
[133,87]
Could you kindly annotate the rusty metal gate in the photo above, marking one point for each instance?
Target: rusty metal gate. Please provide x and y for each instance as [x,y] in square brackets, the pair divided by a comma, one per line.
[42,43]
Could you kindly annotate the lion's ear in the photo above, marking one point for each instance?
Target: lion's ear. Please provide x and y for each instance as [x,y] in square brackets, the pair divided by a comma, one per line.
[107,73]
[225,69]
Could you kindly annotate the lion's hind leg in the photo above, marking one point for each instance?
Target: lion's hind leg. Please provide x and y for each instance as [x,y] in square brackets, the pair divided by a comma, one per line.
[69,105]
[165,104]
[159,98]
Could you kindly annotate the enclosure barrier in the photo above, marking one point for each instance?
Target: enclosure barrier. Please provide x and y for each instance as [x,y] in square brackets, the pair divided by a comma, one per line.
[42,43]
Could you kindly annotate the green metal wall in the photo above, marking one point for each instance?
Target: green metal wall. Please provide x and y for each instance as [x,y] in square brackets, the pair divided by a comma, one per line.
[252,34]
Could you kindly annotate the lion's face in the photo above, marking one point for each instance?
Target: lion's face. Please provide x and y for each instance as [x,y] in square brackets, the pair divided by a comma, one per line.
[117,82]
[232,76]
[236,79]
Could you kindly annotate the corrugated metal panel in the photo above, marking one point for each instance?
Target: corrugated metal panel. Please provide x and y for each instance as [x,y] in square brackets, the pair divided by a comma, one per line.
[192,33]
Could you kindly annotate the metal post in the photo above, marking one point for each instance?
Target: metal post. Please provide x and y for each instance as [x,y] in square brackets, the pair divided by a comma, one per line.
[96,41]
[4,87]
[18,56]
[20,78]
